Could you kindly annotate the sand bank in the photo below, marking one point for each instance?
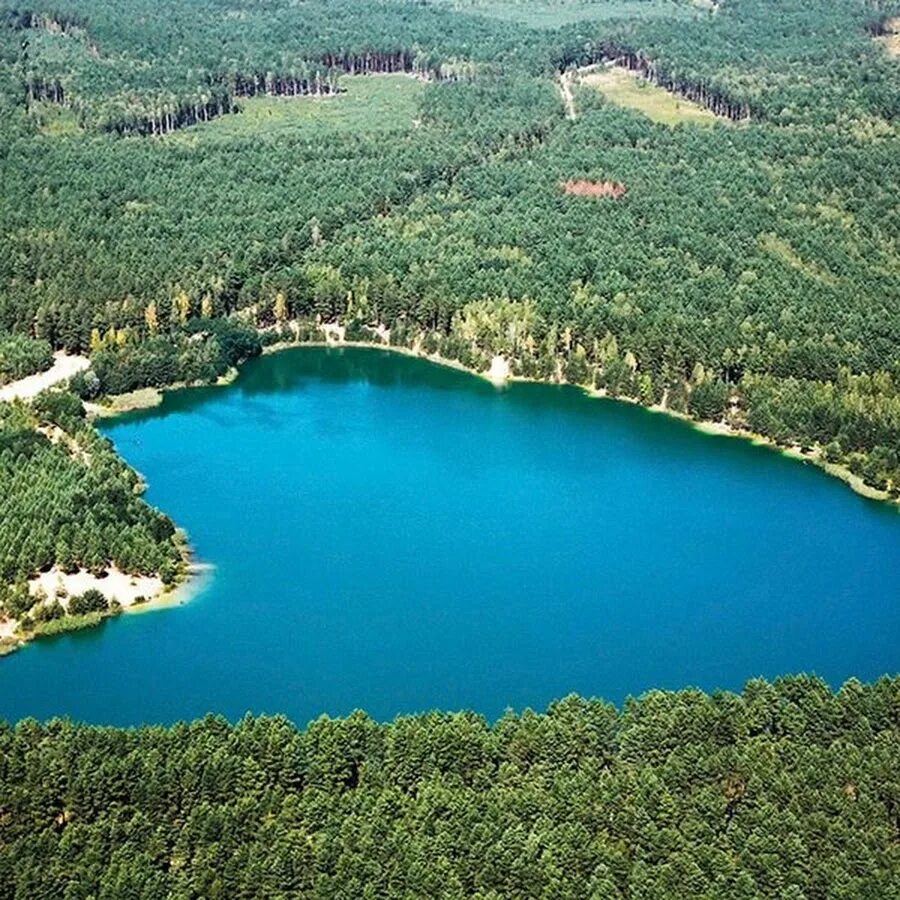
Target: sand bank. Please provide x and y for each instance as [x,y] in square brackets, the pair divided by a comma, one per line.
[113,584]
[133,593]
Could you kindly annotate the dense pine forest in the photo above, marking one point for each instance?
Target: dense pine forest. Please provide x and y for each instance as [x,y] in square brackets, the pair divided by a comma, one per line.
[748,273]
[786,790]
[743,271]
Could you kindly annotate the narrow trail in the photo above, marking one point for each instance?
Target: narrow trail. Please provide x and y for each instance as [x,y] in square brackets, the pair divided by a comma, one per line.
[64,366]
[565,89]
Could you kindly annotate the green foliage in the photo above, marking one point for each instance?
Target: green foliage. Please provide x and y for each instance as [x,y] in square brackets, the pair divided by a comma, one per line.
[402,163]
[61,408]
[785,790]
[814,63]
[48,612]
[554,13]
[71,501]
[42,627]
[21,356]
[16,600]
[708,400]
[199,352]
[90,601]
[856,419]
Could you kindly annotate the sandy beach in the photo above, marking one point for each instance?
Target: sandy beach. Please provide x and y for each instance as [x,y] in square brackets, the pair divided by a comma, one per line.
[114,585]
[133,593]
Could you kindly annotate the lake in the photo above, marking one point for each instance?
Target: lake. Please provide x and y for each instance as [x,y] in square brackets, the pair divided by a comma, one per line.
[392,535]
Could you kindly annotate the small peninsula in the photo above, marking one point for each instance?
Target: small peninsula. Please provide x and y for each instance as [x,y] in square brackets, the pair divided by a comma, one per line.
[80,543]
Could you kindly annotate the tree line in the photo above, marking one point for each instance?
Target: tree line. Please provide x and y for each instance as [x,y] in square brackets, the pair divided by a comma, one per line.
[784,790]
[68,500]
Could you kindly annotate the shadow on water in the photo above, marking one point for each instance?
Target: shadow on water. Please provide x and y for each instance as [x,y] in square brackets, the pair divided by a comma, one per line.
[302,368]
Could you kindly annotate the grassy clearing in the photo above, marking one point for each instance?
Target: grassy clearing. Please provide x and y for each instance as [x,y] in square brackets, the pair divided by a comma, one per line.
[623,88]
[370,103]
[556,13]
[54,120]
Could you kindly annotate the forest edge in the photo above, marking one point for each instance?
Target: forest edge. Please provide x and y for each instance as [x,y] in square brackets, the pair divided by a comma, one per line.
[498,374]
[189,581]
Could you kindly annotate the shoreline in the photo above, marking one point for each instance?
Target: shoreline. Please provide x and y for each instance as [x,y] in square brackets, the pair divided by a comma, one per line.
[149,398]
[195,578]
[197,575]
[434,358]
[710,428]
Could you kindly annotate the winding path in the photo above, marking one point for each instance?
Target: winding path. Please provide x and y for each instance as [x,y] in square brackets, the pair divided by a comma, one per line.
[565,88]
[64,366]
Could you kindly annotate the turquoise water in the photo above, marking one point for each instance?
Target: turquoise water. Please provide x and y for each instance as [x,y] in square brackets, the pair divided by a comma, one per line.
[396,536]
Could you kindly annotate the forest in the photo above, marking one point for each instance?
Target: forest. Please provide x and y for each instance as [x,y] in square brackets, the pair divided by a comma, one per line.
[21,356]
[785,790]
[746,271]
[67,499]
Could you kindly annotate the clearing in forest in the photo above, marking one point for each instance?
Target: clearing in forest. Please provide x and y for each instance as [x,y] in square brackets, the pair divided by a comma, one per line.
[64,367]
[555,13]
[890,37]
[366,103]
[582,188]
[625,88]
[54,120]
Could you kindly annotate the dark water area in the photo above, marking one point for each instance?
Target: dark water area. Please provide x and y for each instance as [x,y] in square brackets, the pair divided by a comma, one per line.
[395,536]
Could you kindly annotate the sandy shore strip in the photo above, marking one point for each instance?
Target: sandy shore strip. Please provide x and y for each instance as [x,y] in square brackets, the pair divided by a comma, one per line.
[198,578]
[64,367]
[114,585]
[133,593]
[138,591]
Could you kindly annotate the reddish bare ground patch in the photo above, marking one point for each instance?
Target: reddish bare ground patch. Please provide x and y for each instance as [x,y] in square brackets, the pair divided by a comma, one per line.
[581,188]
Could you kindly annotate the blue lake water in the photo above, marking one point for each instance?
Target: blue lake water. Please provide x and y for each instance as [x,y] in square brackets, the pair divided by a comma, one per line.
[396,536]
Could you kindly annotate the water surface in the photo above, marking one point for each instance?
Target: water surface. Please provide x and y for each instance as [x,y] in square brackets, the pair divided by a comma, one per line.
[396,536]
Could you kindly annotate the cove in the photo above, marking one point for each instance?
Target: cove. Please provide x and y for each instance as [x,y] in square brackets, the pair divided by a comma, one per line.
[396,536]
